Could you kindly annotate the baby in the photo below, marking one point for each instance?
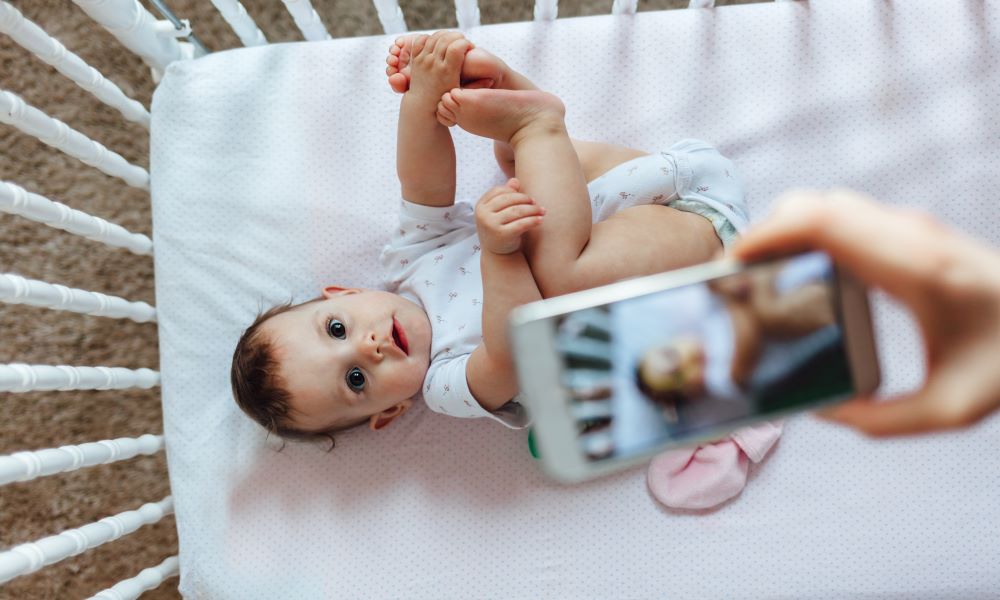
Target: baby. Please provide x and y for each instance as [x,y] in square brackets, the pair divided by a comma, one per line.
[354,356]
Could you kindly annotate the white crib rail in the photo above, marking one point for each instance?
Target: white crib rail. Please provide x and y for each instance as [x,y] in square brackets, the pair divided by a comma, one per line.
[241,22]
[546,10]
[25,466]
[307,20]
[28,558]
[14,111]
[136,28]
[20,377]
[16,200]
[390,15]
[15,289]
[49,50]
[467,13]
[147,579]
[624,7]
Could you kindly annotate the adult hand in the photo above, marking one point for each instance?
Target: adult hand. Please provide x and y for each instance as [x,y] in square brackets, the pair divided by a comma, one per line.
[950,282]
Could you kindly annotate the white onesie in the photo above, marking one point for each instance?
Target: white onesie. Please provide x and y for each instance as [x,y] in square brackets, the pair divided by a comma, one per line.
[433,257]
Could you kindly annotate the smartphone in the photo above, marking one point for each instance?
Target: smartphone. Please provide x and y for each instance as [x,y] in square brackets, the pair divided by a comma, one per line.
[615,374]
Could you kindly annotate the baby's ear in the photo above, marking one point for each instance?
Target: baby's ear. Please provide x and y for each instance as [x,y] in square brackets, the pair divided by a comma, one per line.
[335,290]
[382,419]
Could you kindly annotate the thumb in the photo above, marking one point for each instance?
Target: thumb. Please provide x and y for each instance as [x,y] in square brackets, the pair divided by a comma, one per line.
[927,409]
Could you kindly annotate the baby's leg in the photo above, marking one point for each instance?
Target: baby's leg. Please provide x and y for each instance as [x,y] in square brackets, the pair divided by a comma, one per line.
[566,252]
[640,240]
[546,164]
[595,158]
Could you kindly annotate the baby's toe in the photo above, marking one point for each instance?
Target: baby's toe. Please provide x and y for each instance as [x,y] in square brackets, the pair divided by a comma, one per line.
[398,82]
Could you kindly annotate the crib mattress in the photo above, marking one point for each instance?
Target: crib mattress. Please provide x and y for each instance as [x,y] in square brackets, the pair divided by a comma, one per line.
[273,174]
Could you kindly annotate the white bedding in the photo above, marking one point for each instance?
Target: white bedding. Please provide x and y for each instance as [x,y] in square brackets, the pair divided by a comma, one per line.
[273,173]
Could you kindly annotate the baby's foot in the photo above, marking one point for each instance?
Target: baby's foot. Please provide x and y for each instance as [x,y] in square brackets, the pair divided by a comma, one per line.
[481,69]
[398,60]
[502,115]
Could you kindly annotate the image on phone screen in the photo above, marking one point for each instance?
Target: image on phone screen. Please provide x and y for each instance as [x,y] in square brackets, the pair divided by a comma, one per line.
[675,363]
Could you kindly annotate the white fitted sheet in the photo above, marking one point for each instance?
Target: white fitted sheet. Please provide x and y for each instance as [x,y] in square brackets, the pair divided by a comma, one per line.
[273,173]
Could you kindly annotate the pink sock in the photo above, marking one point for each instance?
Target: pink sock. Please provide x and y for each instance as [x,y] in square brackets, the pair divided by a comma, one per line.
[708,475]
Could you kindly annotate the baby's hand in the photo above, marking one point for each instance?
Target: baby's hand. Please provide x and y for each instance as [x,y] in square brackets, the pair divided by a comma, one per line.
[504,215]
[436,63]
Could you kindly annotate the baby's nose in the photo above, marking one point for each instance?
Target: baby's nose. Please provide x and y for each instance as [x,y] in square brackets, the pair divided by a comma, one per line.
[373,346]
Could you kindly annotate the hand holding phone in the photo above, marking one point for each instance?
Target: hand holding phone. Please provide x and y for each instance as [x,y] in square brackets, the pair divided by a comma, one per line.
[617,373]
[951,284]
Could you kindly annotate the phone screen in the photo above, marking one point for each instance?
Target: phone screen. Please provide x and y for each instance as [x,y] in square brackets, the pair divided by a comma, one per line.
[678,363]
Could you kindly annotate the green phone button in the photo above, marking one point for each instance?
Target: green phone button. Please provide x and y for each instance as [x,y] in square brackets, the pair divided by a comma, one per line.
[531,443]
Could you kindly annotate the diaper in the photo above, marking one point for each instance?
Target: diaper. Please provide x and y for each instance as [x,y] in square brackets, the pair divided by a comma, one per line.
[690,176]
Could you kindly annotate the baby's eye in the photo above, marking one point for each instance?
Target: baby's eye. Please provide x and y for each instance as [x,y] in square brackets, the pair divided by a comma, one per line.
[356,379]
[336,329]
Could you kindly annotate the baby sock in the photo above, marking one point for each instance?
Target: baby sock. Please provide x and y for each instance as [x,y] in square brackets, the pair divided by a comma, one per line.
[707,475]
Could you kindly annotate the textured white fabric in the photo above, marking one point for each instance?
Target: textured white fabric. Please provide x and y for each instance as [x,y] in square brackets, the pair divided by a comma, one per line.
[273,173]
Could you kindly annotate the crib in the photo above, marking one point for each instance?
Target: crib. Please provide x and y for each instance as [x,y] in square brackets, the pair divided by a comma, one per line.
[829,516]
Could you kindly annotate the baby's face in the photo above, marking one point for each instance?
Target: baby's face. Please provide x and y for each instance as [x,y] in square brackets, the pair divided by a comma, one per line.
[675,366]
[352,355]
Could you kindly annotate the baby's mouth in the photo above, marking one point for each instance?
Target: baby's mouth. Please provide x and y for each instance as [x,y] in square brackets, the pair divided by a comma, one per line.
[399,337]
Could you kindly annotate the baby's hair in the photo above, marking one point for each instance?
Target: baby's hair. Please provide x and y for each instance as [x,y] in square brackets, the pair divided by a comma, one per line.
[258,387]
[665,398]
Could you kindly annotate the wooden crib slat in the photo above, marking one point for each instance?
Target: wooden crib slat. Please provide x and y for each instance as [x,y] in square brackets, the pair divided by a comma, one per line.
[48,49]
[14,111]
[241,22]
[147,579]
[16,200]
[15,289]
[135,27]
[467,12]
[546,10]
[28,558]
[307,20]
[390,15]
[25,466]
[20,377]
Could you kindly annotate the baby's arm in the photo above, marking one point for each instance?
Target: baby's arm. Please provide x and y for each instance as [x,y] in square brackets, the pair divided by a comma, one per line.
[503,216]
[425,154]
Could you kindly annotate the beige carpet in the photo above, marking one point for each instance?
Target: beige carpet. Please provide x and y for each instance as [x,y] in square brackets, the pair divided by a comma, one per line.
[32,510]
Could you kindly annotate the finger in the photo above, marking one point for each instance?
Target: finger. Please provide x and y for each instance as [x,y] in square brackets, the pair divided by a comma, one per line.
[879,245]
[417,46]
[514,183]
[455,53]
[495,191]
[522,225]
[519,211]
[941,404]
[395,49]
[511,198]
[391,60]
[446,40]
[431,44]
[445,116]
[448,100]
